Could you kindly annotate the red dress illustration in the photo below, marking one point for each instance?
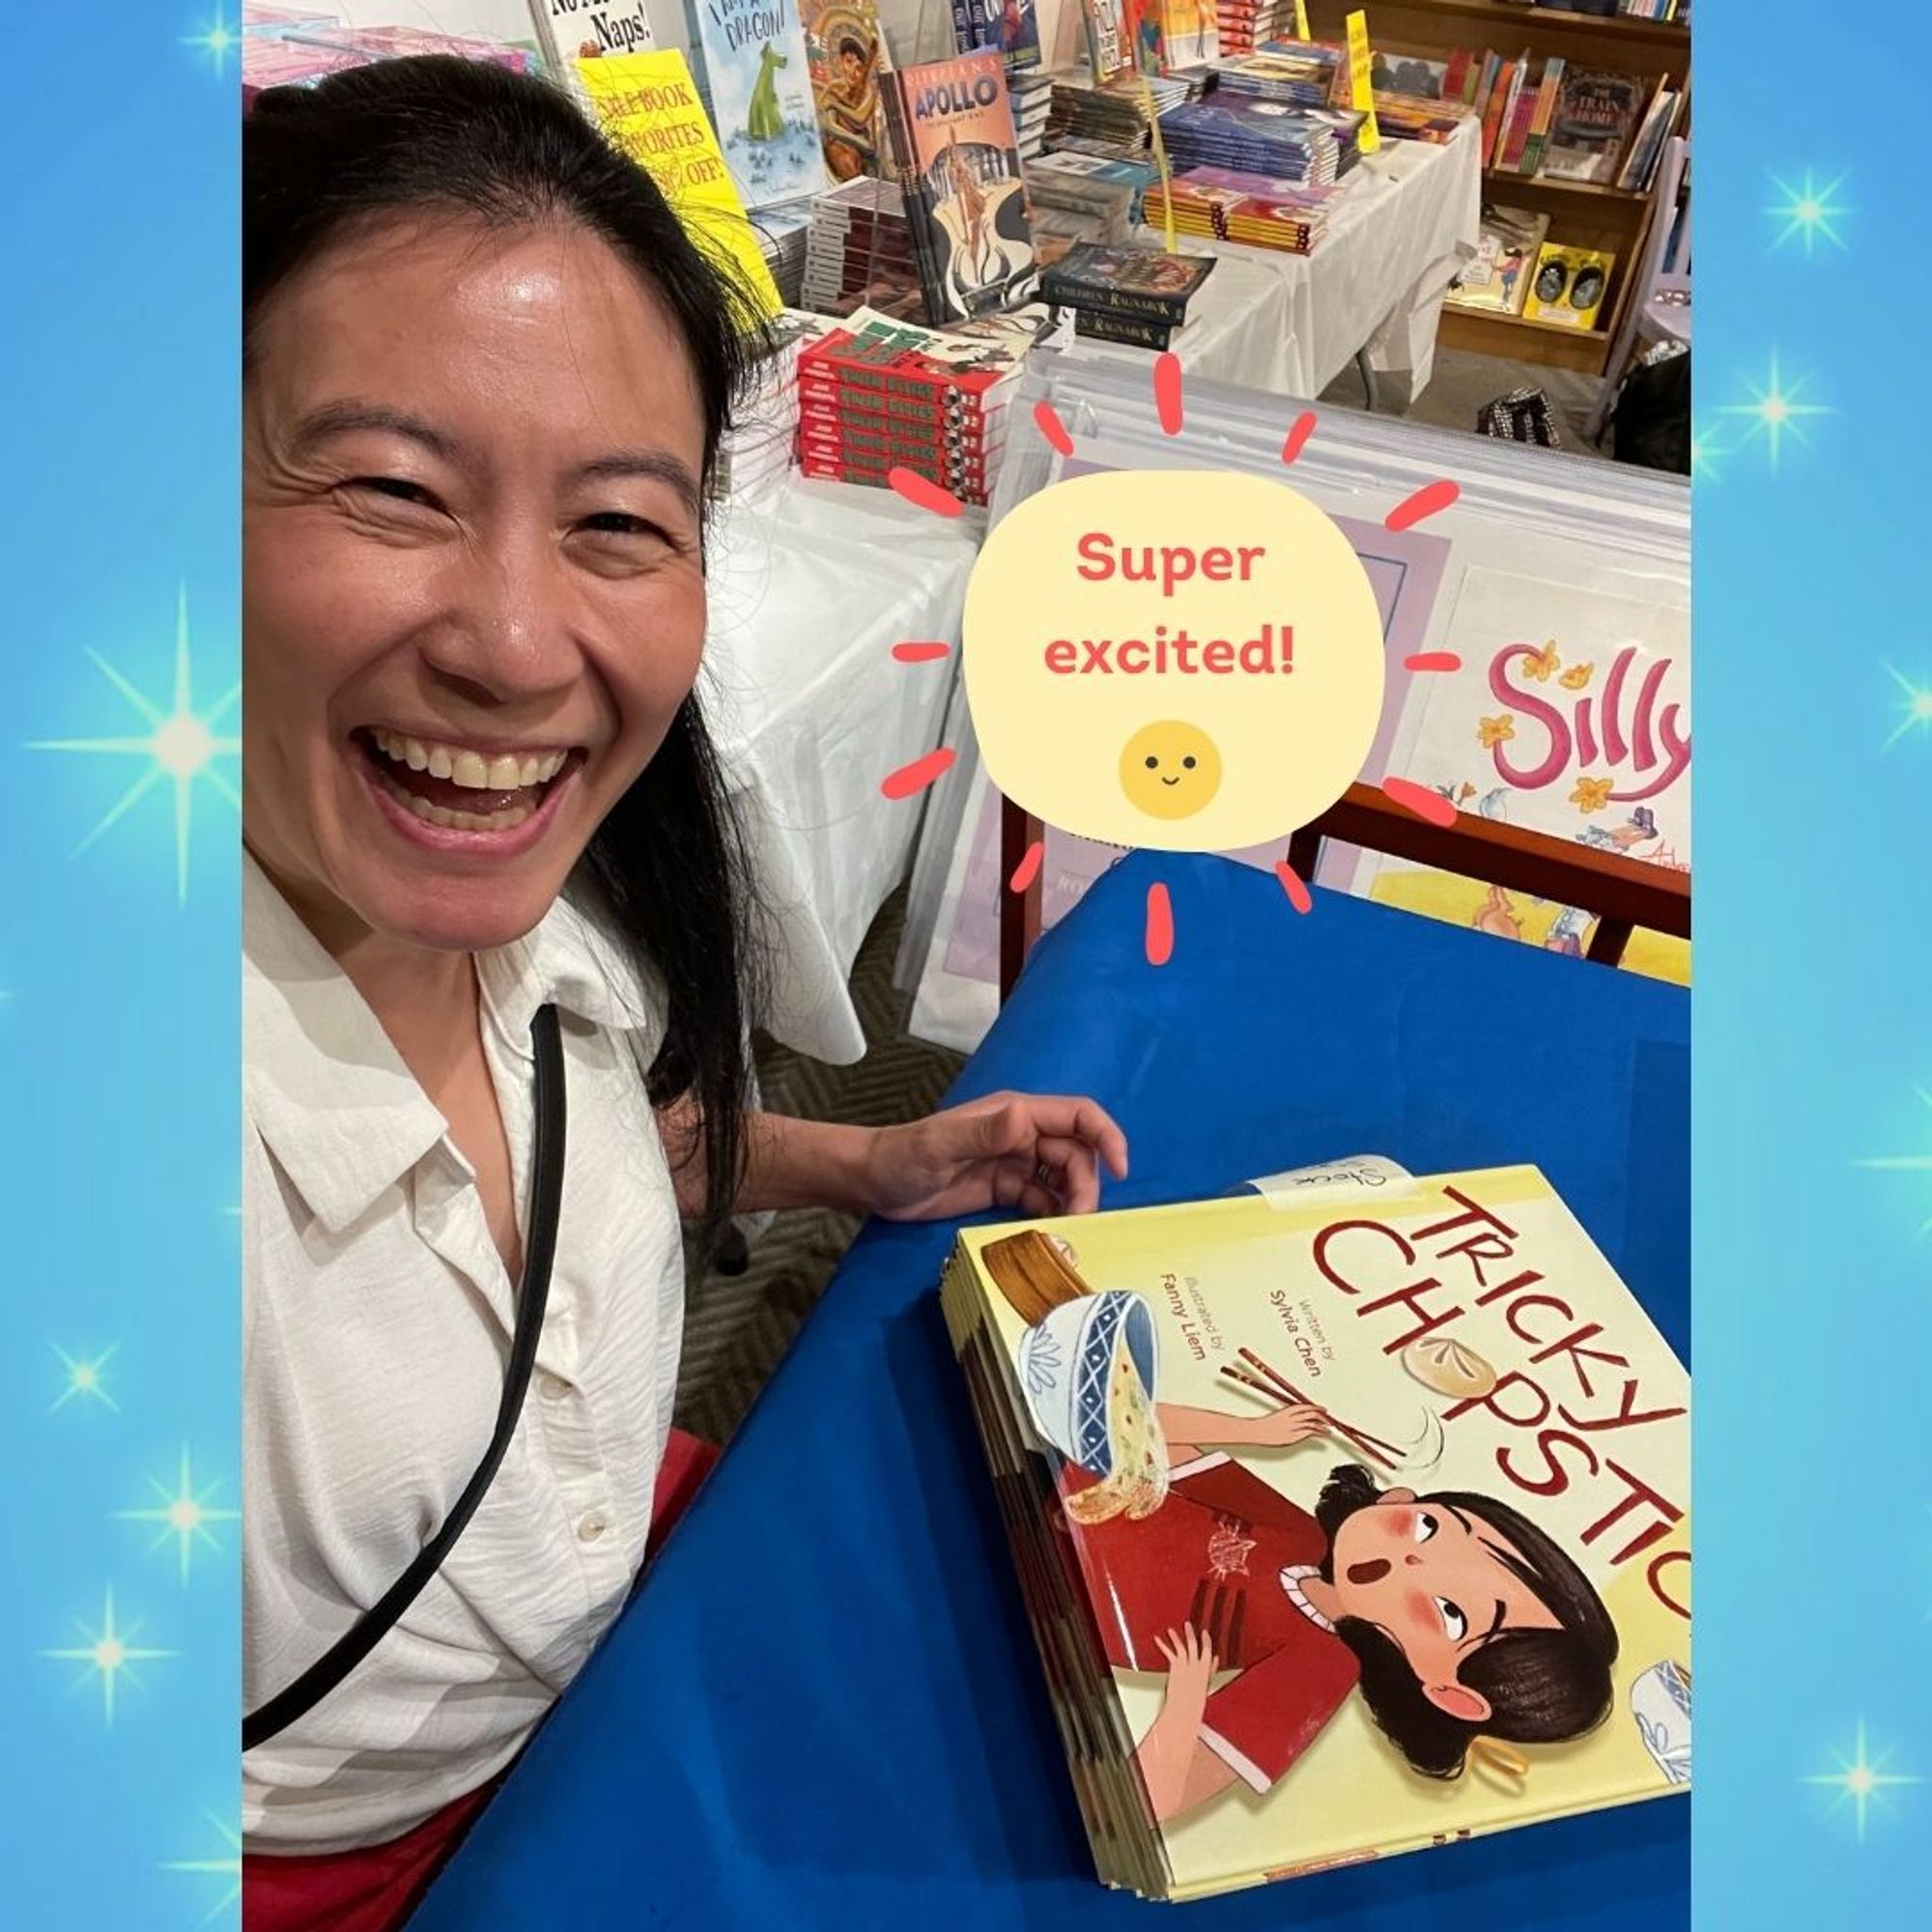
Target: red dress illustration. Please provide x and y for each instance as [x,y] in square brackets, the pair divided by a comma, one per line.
[1224,1552]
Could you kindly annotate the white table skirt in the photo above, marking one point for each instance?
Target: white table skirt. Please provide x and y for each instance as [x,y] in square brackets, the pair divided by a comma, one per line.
[811,584]
[1288,325]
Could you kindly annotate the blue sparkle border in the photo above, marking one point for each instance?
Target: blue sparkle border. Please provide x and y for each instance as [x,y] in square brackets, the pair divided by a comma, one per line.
[1813,1034]
[119,661]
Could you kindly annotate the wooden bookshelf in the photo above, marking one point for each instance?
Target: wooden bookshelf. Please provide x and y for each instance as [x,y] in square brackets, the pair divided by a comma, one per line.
[1586,214]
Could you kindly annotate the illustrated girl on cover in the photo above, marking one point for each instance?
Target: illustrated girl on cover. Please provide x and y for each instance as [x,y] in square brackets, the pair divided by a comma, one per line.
[848,100]
[1452,1615]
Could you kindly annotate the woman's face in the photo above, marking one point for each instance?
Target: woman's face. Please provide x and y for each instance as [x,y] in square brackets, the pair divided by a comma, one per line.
[473,596]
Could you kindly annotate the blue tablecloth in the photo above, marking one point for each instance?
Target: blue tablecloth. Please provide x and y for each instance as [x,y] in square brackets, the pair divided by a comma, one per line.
[824,1708]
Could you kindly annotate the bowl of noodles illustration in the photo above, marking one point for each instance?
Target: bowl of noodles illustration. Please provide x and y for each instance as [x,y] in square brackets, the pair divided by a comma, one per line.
[1087,1369]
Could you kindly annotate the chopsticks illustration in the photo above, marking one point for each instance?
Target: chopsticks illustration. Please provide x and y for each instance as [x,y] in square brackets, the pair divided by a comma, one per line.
[1276,1386]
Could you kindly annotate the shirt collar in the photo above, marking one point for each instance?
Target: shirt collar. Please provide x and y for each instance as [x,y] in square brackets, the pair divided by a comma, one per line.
[1293,1577]
[343,1116]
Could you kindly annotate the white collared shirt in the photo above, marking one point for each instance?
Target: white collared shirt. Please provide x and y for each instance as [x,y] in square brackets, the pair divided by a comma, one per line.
[377,1317]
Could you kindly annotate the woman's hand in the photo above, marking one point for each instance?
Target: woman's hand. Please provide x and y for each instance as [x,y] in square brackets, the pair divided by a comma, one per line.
[1041,1153]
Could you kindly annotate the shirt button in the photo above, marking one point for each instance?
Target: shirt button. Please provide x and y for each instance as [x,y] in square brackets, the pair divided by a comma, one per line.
[591,1527]
[553,1388]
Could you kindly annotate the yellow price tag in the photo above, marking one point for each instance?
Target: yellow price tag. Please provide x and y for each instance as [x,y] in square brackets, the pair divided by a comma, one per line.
[1301,32]
[1361,64]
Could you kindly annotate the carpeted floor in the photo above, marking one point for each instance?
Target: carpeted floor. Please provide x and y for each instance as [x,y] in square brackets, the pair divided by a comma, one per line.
[737,1328]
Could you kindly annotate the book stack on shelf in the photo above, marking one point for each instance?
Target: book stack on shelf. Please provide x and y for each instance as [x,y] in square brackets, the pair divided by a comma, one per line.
[1409,117]
[1656,9]
[1256,210]
[1232,130]
[1247,25]
[1011,28]
[949,124]
[859,250]
[1299,1598]
[1133,296]
[1084,198]
[1507,247]
[880,394]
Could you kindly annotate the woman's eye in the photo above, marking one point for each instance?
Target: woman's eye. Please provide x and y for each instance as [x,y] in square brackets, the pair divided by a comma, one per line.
[619,523]
[393,489]
[1425,1525]
[1454,1623]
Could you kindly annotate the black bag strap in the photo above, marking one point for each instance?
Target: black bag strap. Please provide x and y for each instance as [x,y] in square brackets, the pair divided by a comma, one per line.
[539,1251]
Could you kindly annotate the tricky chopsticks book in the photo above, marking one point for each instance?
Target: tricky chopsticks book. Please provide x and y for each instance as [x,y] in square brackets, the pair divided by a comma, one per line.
[1351,1516]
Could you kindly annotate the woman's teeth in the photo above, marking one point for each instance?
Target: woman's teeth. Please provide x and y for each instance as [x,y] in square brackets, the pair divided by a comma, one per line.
[455,821]
[469,769]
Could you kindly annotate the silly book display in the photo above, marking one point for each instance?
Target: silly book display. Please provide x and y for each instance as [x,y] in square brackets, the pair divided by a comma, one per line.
[1350,1516]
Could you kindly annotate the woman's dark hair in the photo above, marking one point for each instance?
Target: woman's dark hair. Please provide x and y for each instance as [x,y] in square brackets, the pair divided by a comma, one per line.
[1543,1685]
[438,134]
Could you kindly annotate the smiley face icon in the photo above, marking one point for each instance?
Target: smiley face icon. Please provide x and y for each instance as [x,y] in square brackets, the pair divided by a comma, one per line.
[1170,770]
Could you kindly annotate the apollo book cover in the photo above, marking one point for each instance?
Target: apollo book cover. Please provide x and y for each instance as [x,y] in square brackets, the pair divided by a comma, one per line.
[1352,1516]
[758,77]
[965,198]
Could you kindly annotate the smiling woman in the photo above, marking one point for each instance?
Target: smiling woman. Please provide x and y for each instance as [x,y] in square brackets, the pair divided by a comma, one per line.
[494,891]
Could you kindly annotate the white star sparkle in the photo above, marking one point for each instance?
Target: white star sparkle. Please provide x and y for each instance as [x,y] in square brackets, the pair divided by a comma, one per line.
[217,40]
[1862,1779]
[1775,411]
[1915,713]
[1808,210]
[108,1653]
[181,746]
[185,1514]
[83,1377]
[1907,1163]
[228,1866]
[1705,454]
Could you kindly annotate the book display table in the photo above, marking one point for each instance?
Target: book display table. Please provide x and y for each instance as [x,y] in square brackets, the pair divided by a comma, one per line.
[1405,223]
[824,1708]
[810,585]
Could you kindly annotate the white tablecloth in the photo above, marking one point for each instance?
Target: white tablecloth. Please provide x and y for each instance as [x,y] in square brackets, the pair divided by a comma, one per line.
[811,584]
[1404,225]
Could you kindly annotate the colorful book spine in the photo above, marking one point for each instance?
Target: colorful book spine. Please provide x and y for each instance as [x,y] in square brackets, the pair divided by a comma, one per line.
[1545,108]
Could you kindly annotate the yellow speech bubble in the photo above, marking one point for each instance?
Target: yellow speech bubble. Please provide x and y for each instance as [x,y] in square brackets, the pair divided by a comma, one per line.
[1187,660]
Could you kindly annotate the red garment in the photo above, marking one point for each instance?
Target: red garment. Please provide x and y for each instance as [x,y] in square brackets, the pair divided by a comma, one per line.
[373,1890]
[1211,1555]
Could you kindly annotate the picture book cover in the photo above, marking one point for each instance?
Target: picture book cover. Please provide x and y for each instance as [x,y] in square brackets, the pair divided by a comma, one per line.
[965,193]
[1569,285]
[1595,117]
[1506,251]
[648,106]
[1190,33]
[1364,1506]
[571,30]
[1571,715]
[1010,27]
[758,77]
[845,54]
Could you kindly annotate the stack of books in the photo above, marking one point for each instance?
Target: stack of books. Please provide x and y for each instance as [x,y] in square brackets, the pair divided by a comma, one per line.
[1133,296]
[1086,198]
[1238,130]
[758,449]
[1032,95]
[1306,1589]
[1247,25]
[784,233]
[880,395]
[1508,243]
[1299,73]
[1256,210]
[1409,117]
[859,249]
[1110,117]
